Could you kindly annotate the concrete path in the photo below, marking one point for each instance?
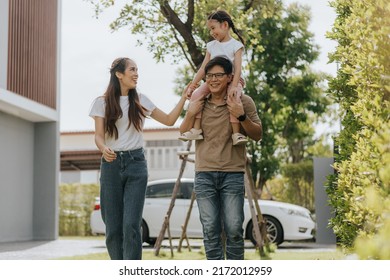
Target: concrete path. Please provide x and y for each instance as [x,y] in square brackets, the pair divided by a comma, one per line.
[46,250]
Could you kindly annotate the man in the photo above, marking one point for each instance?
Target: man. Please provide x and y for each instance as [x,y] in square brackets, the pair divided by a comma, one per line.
[220,166]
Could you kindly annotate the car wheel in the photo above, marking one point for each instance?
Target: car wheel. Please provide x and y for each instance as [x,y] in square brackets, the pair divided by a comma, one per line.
[145,232]
[274,231]
[152,241]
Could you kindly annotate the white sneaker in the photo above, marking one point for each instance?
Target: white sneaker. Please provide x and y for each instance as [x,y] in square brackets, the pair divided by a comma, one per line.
[239,139]
[193,134]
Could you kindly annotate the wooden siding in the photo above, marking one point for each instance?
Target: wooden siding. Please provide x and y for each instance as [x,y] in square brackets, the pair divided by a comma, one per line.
[32,50]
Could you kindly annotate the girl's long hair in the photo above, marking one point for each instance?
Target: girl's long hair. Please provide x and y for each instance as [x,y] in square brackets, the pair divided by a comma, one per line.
[222,16]
[112,95]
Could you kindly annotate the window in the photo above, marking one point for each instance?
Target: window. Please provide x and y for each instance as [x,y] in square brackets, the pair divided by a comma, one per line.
[164,190]
[187,188]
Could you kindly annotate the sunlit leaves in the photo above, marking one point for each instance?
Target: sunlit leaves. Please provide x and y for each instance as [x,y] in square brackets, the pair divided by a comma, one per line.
[362,30]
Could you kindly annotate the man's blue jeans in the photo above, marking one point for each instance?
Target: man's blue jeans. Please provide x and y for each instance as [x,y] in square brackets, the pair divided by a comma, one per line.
[122,196]
[220,198]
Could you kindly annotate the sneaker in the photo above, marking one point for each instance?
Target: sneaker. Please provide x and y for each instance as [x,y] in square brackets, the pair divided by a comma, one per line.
[193,134]
[239,139]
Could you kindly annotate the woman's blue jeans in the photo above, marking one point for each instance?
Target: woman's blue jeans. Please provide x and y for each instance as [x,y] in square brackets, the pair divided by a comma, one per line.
[220,198]
[122,196]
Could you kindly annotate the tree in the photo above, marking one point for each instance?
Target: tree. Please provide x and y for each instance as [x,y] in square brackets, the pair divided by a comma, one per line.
[288,94]
[177,27]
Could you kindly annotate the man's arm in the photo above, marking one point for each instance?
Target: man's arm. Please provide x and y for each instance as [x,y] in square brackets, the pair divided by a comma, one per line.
[252,129]
[252,124]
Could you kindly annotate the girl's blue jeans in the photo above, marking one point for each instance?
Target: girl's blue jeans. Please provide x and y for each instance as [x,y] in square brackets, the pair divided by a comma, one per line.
[220,198]
[122,196]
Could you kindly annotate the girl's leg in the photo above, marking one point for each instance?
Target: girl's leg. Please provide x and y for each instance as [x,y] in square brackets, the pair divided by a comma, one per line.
[235,127]
[238,138]
[195,133]
[197,123]
[200,92]
[233,119]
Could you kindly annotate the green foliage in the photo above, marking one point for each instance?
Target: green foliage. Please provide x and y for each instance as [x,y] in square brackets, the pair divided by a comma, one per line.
[376,246]
[290,97]
[362,89]
[76,205]
[174,28]
[299,187]
[297,184]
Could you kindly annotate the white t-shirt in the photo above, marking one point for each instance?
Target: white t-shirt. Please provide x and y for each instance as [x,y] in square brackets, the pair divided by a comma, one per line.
[226,49]
[128,138]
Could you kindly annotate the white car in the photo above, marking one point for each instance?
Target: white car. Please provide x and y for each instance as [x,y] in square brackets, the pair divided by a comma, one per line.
[285,221]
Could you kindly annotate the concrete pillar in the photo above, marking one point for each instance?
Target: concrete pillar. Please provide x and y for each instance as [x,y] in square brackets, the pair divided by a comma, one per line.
[323,168]
[46,172]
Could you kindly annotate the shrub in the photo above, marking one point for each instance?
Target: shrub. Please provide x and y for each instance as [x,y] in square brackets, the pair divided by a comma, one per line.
[76,206]
[363,92]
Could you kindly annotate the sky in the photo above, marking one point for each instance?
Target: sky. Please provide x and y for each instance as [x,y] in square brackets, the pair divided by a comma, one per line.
[88,47]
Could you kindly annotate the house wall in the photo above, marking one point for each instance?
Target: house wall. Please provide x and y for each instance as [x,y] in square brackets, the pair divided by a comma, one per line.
[161,147]
[17,178]
[29,130]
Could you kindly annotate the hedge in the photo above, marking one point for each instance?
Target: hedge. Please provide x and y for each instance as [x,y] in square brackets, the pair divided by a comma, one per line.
[76,205]
[360,191]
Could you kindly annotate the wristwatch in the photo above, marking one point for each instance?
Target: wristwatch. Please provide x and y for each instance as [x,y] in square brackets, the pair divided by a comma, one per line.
[242,117]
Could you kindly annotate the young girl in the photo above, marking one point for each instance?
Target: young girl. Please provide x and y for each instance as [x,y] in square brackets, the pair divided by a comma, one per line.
[119,118]
[219,24]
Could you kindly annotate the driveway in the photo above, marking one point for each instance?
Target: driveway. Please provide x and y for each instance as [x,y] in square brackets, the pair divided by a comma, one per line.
[63,247]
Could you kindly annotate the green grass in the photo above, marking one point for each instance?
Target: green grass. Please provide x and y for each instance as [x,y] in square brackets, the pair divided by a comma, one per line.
[199,255]
[90,237]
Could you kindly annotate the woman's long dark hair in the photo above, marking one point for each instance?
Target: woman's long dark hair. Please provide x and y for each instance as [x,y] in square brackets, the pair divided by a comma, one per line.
[112,95]
[222,16]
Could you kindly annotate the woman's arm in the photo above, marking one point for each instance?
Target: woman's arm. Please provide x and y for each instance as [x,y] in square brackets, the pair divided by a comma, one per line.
[171,118]
[108,154]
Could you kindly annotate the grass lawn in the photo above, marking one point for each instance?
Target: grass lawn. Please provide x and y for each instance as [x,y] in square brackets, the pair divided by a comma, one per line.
[166,255]
[198,254]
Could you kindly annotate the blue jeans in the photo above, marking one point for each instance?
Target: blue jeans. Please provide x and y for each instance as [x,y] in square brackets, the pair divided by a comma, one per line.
[220,198]
[122,196]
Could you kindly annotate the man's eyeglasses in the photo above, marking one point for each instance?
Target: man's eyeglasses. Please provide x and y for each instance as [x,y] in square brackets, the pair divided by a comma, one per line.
[219,76]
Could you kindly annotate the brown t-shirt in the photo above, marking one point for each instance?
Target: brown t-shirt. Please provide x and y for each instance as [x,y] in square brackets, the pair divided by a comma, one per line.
[216,151]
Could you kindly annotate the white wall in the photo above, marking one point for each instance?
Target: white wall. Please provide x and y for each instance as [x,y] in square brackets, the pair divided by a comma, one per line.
[161,147]
[16,178]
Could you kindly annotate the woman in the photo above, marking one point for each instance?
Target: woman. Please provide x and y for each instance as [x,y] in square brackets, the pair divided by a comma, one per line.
[119,118]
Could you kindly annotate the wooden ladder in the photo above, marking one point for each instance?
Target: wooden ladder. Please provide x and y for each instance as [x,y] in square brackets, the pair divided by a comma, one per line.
[165,226]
